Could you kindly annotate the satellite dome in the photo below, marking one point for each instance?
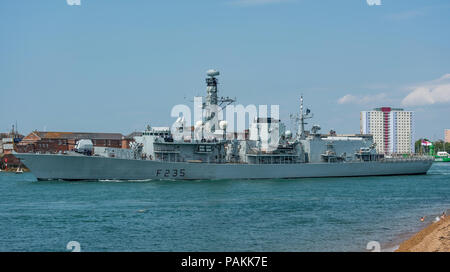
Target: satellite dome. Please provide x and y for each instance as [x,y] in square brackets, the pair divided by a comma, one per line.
[212,73]
[223,125]
[198,124]
[208,126]
[288,134]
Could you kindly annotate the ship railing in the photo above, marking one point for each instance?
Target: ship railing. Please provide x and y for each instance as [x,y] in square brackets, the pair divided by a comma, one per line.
[406,159]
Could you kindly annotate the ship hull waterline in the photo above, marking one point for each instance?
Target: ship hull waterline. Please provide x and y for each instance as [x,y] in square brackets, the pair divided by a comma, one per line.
[67,167]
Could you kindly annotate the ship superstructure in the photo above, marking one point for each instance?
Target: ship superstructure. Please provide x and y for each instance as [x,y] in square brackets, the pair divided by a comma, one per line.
[206,151]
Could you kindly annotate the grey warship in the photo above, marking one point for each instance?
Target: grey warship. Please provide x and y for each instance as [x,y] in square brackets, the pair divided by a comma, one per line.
[185,153]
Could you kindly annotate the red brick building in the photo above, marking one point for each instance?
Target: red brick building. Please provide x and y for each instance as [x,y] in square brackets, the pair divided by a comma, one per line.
[54,142]
[126,140]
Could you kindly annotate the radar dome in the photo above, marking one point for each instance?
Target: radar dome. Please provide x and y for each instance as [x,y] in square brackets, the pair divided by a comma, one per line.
[198,124]
[288,134]
[212,72]
[223,125]
[208,126]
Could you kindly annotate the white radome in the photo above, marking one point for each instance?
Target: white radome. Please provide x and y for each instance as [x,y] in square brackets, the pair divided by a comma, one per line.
[198,124]
[288,134]
[212,72]
[223,125]
[208,126]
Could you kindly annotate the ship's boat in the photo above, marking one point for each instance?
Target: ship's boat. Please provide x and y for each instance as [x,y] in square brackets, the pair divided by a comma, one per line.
[442,156]
[19,170]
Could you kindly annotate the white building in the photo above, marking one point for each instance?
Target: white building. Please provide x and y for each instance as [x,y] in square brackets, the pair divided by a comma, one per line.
[392,129]
[7,145]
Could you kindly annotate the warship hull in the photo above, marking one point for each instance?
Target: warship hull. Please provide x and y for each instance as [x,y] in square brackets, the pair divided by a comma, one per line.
[68,167]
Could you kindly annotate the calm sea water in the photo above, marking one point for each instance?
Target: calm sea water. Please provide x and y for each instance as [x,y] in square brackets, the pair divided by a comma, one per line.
[333,214]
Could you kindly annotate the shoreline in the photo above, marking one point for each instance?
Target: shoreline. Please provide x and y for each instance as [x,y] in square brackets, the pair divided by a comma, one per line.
[14,169]
[435,237]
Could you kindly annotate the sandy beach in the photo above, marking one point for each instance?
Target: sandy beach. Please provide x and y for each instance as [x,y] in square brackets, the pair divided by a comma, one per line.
[434,238]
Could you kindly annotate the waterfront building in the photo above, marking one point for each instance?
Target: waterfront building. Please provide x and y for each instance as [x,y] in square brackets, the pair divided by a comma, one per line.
[447,135]
[7,145]
[126,140]
[392,129]
[8,141]
[55,142]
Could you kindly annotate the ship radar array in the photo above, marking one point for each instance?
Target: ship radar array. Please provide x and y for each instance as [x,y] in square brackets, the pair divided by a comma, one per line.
[211,91]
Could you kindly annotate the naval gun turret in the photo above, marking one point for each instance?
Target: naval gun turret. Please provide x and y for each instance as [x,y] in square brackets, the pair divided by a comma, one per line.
[84,146]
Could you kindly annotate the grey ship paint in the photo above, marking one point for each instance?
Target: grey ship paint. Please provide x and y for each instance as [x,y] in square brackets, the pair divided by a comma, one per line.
[156,156]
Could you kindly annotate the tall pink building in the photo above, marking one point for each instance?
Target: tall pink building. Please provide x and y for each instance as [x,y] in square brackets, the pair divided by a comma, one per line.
[392,129]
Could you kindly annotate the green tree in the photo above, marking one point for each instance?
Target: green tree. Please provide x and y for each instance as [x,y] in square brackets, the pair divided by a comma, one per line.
[439,145]
[419,148]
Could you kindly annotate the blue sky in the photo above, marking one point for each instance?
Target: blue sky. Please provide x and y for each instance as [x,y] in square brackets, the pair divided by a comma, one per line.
[115,66]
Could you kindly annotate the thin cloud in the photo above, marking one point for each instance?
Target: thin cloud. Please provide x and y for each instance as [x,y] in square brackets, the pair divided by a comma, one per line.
[363,100]
[429,93]
[256,2]
[405,15]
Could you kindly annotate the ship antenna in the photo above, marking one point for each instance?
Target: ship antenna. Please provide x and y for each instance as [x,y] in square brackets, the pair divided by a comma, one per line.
[303,116]
[302,120]
[211,102]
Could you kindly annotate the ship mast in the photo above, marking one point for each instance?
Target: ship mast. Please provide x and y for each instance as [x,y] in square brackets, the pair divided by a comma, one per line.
[210,104]
[301,132]
[213,103]
[301,128]
[211,89]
